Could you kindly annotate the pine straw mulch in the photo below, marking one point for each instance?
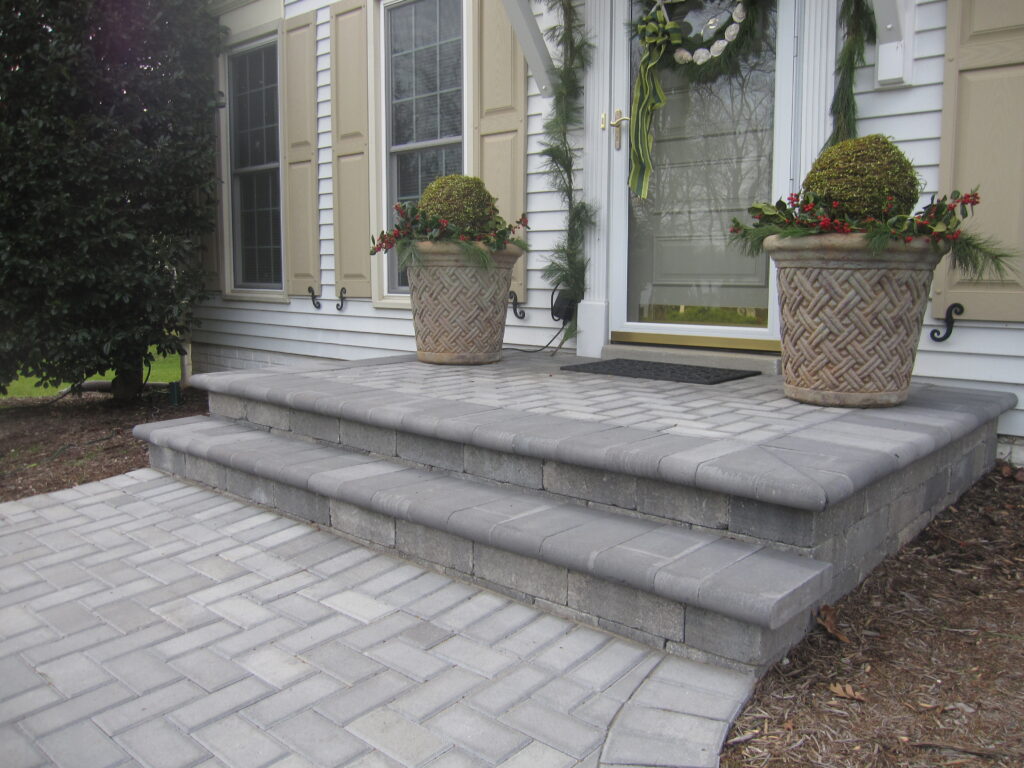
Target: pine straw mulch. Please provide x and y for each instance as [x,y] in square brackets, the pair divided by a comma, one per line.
[47,444]
[925,663]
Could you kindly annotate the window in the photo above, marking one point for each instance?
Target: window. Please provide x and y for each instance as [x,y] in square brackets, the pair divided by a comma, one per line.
[425,101]
[255,168]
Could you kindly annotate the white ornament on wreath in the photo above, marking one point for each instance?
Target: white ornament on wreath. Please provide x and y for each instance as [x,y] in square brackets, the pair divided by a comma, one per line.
[682,56]
[712,28]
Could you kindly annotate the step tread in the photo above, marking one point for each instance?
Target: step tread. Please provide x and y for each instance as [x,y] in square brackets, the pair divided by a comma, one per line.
[806,468]
[738,579]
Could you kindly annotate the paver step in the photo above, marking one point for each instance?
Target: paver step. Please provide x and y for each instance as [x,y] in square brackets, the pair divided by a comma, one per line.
[634,468]
[692,592]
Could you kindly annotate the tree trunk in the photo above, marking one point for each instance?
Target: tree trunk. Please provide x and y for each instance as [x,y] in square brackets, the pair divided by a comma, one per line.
[127,383]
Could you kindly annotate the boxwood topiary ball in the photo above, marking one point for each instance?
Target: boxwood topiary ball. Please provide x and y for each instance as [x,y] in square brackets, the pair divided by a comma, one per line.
[463,200]
[861,175]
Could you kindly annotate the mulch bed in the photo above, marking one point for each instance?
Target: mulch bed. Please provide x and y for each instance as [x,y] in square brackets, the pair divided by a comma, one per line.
[48,444]
[928,671]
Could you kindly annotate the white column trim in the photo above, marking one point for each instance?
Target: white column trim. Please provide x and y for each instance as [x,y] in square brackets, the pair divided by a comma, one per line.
[592,313]
[816,64]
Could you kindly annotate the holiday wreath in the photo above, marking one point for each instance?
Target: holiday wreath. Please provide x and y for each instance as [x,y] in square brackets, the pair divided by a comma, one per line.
[724,40]
[717,48]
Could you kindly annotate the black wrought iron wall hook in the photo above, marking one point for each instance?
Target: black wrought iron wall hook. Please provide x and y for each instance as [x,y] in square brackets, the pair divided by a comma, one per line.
[953,309]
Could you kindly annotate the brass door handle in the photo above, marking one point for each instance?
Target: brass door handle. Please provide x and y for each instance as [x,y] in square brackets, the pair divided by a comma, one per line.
[617,125]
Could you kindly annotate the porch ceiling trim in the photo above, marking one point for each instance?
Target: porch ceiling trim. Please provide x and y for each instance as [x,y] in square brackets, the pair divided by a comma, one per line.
[531,41]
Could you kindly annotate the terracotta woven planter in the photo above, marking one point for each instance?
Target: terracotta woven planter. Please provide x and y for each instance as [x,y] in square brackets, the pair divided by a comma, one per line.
[458,307]
[851,319]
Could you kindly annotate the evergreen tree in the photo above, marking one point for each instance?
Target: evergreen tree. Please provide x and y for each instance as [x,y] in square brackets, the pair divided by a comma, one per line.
[107,182]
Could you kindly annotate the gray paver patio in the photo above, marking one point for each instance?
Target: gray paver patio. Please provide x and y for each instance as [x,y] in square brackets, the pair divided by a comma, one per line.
[148,621]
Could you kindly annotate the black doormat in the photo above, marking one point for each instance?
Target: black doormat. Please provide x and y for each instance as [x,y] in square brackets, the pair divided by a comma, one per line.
[642,369]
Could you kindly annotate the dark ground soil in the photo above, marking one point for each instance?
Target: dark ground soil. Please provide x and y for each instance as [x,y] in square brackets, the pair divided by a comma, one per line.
[48,444]
[930,670]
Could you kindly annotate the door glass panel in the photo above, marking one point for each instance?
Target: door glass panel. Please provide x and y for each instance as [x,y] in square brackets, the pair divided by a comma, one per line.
[712,157]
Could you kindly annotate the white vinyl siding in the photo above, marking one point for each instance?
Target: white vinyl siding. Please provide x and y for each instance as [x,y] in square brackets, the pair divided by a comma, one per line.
[260,334]
[978,355]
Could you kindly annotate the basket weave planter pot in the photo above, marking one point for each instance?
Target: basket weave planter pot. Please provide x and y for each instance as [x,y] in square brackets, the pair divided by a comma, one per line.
[851,319]
[458,307]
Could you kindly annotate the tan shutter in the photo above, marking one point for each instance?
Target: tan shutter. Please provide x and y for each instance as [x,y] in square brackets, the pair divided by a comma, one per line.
[350,119]
[298,104]
[983,111]
[500,120]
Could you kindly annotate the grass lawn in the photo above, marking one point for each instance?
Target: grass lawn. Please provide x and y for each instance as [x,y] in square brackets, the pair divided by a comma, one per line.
[164,369]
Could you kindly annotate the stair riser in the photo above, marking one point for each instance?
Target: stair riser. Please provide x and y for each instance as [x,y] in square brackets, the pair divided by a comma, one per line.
[854,535]
[688,631]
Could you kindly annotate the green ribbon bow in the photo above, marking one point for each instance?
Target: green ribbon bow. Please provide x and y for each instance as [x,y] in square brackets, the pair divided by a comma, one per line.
[656,32]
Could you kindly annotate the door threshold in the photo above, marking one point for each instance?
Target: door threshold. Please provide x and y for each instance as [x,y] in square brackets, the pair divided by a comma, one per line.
[714,358]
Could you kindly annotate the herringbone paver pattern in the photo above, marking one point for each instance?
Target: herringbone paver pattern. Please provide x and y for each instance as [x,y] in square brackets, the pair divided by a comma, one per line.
[752,410]
[147,621]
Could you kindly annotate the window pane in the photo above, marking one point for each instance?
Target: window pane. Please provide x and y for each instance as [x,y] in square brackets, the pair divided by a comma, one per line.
[408,176]
[451,19]
[258,229]
[403,74]
[453,160]
[253,84]
[426,71]
[270,67]
[426,118]
[451,114]
[401,123]
[254,143]
[401,22]
[450,65]
[426,22]
[430,166]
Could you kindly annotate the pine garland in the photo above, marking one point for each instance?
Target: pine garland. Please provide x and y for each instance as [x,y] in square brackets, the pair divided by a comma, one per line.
[858,22]
[566,270]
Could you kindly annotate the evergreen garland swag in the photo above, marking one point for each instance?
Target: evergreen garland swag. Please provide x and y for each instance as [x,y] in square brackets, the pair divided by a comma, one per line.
[566,269]
[858,23]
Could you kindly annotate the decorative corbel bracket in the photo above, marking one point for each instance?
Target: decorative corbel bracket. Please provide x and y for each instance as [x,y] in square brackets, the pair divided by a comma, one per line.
[531,42]
[894,54]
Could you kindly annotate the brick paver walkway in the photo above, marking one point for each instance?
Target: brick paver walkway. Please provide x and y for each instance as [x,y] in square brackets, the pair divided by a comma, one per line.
[144,620]
[752,410]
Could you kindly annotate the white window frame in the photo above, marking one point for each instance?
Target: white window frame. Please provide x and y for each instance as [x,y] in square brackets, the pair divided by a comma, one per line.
[379,146]
[257,37]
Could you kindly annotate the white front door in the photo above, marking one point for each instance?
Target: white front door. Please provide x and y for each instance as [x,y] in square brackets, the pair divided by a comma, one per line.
[673,278]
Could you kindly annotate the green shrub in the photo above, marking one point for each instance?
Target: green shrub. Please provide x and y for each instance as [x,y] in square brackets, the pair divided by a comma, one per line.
[107,184]
[463,201]
[868,176]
